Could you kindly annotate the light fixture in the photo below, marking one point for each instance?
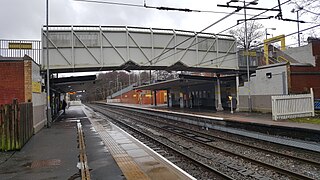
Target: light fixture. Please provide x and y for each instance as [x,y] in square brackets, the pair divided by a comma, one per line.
[254,2]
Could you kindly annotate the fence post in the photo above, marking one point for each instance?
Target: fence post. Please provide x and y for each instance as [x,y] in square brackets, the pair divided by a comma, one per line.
[7,128]
[273,106]
[15,108]
[312,101]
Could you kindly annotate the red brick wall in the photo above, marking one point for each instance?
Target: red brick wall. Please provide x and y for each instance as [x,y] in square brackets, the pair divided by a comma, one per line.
[302,84]
[27,81]
[305,77]
[11,82]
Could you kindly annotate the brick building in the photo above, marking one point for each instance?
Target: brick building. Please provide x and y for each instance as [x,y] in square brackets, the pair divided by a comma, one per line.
[306,76]
[20,79]
[284,78]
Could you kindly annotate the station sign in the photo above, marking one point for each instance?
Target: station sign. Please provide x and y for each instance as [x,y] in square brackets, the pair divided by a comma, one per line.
[20,45]
[36,87]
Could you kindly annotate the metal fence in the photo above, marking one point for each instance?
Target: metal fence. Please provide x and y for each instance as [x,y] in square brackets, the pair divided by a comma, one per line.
[292,106]
[16,125]
[19,48]
[317,104]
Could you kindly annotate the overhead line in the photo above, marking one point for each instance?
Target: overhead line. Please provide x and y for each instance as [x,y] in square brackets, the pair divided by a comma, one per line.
[254,16]
[221,19]
[208,37]
[158,8]
[263,43]
[112,3]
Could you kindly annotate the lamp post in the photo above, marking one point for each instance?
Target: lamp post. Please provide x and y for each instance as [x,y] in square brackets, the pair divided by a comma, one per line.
[120,91]
[267,31]
[298,25]
[117,84]
[48,71]
[247,53]
[111,91]
[246,45]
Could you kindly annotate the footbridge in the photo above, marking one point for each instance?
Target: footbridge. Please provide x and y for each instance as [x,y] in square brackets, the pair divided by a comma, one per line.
[101,48]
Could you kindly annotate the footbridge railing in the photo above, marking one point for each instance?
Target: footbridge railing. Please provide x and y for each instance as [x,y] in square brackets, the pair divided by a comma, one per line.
[88,48]
[19,48]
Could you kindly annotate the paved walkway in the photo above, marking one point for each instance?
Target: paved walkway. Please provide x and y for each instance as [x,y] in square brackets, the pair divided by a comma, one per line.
[53,153]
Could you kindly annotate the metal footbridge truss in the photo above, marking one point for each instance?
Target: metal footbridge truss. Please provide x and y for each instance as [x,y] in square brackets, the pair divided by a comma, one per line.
[101,48]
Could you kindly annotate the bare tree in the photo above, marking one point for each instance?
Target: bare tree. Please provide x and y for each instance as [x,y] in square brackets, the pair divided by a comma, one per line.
[164,75]
[255,32]
[311,7]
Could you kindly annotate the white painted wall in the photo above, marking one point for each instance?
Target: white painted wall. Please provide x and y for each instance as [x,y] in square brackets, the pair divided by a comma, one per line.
[302,54]
[261,85]
[38,101]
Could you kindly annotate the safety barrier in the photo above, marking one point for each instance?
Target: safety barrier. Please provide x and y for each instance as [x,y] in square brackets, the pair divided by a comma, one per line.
[16,125]
[292,106]
[317,104]
[19,48]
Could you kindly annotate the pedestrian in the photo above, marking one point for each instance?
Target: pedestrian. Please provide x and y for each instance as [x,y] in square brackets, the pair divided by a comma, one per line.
[64,105]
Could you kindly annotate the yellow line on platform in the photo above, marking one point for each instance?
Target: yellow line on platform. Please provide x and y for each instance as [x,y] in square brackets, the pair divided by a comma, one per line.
[128,166]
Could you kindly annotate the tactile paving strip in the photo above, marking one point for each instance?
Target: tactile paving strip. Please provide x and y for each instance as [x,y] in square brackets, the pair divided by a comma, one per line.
[129,167]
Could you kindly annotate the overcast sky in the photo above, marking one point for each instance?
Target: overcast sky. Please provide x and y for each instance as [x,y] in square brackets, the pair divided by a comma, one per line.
[23,19]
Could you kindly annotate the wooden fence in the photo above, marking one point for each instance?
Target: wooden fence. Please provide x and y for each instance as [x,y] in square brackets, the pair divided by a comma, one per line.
[16,125]
[292,106]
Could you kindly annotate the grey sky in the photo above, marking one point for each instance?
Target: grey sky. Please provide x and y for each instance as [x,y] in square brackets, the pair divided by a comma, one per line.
[23,19]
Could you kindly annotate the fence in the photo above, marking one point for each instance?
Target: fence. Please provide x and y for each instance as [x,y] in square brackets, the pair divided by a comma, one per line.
[16,125]
[292,106]
[19,48]
[317,104]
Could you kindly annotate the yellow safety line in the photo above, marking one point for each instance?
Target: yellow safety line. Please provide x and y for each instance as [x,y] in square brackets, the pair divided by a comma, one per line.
[85,173]
[127,165]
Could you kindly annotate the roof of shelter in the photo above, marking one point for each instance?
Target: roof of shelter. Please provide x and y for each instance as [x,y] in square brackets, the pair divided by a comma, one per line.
[183,80]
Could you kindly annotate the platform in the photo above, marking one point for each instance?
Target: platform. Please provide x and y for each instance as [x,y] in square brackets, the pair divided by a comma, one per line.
[253,125]
[136,160]
[241,117]
[112,153]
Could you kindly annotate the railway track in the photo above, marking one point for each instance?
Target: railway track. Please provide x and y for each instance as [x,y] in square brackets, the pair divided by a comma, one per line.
[233,153]
[191,165]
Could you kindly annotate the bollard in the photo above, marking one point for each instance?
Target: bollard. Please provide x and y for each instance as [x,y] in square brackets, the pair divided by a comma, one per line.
[230,98]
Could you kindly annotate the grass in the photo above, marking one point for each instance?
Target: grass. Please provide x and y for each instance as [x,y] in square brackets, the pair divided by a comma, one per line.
[311,120]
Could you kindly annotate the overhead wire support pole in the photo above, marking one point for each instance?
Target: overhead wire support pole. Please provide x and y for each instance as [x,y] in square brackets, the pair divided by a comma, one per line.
[48,70]
[298,28]
[229,14]
[246,44]
[247,54]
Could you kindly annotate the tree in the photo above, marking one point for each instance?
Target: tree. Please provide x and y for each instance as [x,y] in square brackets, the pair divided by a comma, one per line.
[255,32]
[311,7]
